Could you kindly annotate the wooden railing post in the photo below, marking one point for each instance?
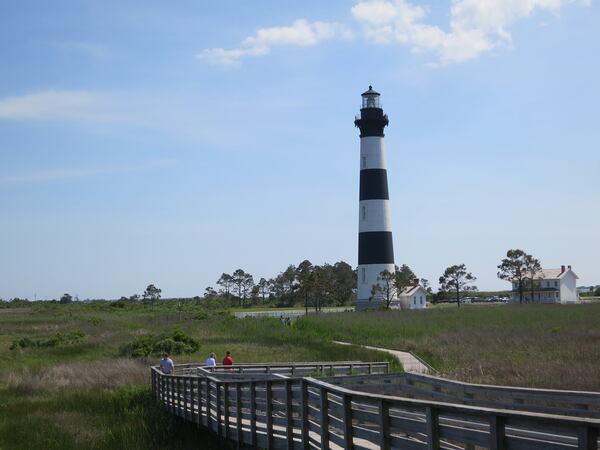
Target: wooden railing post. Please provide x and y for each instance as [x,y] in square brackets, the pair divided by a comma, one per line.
[253,413]
[304,406]
[192,399]
[587,438]
[289,428]
[226,404]
[433,429]
[199,399]
[218,405]
[269,411]
[497,432]
[176,396]
[170,394]
[348,435]
[324,419]
[153,377]
[207,401]
[384,425]
[238,411]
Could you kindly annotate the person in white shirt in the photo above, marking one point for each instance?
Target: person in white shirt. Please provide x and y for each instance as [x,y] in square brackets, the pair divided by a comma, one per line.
[166,364]
[211,361]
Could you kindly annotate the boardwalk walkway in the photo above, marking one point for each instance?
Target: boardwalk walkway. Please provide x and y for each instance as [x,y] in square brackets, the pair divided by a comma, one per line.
[409,362]
[361,406]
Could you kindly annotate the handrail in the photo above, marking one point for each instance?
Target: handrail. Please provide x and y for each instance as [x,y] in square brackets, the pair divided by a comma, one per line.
[454,407]
[306,413]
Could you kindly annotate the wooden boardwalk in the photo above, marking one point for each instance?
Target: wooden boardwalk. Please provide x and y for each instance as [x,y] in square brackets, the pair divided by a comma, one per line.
[361,406]
[410,362]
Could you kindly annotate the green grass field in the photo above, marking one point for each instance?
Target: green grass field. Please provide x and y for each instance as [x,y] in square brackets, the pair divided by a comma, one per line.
[70,386]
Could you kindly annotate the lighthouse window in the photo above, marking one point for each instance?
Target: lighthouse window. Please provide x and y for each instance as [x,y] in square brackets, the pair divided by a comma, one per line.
[364,275]
[364,213]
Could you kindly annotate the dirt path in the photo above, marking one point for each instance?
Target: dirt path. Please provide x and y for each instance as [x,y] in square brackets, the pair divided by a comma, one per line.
[408,360]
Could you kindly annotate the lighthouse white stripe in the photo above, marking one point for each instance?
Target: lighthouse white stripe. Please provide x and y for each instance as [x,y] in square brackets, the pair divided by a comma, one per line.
[374,215]
[372,154]
[371,272]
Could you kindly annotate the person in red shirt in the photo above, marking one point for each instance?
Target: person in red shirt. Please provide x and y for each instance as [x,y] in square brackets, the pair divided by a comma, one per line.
[228,360]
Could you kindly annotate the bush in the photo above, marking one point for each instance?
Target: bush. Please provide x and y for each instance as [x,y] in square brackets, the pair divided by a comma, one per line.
[177,343]
[59,339]
[202,315]
[95,321]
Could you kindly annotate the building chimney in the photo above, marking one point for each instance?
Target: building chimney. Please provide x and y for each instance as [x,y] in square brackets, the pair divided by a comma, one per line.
[569,267]
[417,281]
[562,269]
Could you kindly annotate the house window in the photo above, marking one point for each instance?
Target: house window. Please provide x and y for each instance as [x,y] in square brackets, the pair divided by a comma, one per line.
[364,275]
[414,300]
[421,300]
[364,212]
[364,162]
[556,284]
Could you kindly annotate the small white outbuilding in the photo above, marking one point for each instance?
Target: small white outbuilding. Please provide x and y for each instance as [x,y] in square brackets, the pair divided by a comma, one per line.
[413,297]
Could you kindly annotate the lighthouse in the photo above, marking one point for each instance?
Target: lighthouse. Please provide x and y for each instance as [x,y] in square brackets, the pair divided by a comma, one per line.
[375,245]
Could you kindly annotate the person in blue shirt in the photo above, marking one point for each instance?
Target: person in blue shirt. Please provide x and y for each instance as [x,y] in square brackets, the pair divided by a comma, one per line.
[166,364]
[211,361]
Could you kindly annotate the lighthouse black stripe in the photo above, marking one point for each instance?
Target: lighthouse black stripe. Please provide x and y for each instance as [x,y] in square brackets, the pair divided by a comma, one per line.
[373,184]
[375,247]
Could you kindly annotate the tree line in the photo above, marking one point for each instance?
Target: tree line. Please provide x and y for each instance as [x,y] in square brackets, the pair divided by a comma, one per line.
[517,267]
[307,284]
[318,286]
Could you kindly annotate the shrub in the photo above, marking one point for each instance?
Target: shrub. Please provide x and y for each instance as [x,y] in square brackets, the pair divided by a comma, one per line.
[177,343]
[202,315]
[59,339]
[95,320]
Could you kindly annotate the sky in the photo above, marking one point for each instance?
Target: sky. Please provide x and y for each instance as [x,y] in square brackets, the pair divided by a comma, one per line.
[168,142]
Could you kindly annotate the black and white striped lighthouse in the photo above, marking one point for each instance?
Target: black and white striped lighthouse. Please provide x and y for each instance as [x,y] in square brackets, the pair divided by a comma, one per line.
[375,246]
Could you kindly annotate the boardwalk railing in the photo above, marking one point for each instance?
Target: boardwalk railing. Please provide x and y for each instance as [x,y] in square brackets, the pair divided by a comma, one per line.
[427,387]
[274,410]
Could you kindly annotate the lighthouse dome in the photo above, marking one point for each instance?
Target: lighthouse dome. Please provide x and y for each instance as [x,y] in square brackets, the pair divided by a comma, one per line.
[370,98]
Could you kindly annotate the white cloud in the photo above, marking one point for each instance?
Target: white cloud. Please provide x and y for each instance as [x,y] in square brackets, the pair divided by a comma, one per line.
[96,52]
[476,26]
[300,33]
[47,104]
[68,174]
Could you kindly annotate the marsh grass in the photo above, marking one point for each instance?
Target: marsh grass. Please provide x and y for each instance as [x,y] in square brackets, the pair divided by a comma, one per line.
[551,346]
[84,395]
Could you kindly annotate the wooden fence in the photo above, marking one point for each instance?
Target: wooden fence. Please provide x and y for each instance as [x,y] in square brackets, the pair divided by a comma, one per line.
[265,406]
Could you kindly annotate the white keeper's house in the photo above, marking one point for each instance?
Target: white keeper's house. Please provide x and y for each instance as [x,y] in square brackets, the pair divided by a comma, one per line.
[412,297]
[551,286]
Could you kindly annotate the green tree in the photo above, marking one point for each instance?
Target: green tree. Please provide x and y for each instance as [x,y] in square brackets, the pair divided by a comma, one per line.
[209,292]
[263,288]
[597,292]
[152,293]
[225,281]
[247,286]
[426,286]
[306,280]
[386,288]
[321,285]
[514,269]
[343,282]
[534,272]
[457,279]
[66,298]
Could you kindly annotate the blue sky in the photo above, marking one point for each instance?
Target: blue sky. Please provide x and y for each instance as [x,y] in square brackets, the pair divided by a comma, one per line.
[153,142]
